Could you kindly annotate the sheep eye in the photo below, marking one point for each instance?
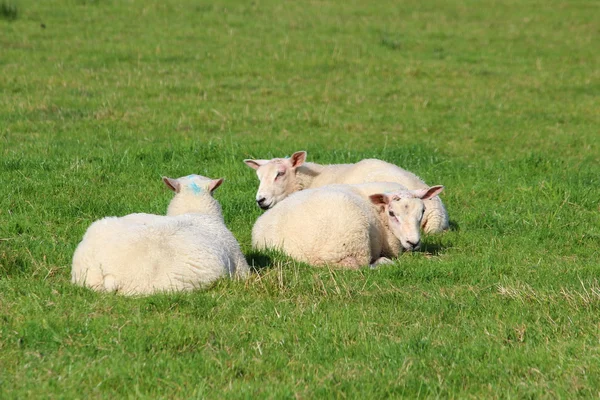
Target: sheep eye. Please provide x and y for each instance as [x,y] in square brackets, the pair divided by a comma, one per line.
[392,214]
[280,173]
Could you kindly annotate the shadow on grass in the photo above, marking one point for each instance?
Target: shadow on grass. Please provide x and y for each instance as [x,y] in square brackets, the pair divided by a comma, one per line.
[8,10]
[258,261]
[454,226]
[434,245]
[433,249]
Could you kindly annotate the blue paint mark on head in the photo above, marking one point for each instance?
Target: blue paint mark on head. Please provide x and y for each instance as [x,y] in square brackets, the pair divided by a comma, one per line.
[195,188]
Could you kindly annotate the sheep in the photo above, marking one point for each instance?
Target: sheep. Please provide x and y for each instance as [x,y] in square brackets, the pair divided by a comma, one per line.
[345,225]
[280,177]
[139,254]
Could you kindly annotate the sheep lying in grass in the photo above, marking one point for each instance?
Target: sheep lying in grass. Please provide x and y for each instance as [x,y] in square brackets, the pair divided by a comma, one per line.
[345,225]
[145,253]
[281,177]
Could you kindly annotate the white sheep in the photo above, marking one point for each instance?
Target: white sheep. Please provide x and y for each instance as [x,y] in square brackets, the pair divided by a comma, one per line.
[345,225]
[146,253]
[280,177]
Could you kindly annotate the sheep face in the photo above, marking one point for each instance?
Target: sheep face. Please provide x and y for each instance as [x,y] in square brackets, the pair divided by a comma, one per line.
[404,211]
[194,184]
[277,178]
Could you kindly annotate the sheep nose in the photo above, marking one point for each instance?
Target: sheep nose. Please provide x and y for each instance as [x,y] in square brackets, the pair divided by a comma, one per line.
[414,245]
[261,201]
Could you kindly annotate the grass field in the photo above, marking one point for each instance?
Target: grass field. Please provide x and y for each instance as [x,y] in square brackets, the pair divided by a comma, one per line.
[497,100]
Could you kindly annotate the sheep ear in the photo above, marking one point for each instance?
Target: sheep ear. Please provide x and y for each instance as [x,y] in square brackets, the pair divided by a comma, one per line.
[426,194]
[214,184]
[379,199]
[255,164]
[297,159]
[172,184]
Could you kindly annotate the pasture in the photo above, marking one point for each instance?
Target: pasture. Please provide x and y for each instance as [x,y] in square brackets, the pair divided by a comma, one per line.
[499,101]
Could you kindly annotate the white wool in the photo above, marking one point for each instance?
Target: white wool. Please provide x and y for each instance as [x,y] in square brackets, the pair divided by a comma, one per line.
[336,225]
[280,177]
[145,253]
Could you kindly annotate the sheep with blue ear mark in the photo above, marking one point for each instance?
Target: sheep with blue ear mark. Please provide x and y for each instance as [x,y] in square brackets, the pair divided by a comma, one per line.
[280,177]
[137,254]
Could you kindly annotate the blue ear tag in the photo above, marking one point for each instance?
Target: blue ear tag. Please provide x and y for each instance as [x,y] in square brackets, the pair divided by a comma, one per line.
[195,188]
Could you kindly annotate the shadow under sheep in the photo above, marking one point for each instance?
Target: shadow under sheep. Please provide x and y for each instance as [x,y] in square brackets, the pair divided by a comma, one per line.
[258,261]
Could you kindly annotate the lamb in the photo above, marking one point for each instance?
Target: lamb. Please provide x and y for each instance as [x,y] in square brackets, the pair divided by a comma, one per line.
[345,225]
[140,254]
[280,177]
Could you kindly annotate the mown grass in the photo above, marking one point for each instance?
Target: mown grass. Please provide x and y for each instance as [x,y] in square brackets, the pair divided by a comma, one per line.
[497,100]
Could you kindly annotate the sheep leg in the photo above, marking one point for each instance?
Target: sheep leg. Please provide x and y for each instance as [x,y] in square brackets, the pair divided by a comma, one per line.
[380,260]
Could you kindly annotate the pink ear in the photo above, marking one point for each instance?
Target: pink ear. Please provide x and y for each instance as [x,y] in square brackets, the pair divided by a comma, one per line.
[172,184]
[297,159]
[426,194]
[255,164]
[379,199]
[215,184]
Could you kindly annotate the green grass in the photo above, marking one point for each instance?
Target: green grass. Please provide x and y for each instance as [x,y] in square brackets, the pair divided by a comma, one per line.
[496,100]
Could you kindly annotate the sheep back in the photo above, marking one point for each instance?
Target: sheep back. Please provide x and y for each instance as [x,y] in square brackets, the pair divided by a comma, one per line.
[330,225]
[373,170]
[144,253]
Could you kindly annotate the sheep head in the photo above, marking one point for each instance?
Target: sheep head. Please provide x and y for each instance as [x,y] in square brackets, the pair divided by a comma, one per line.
[404,210]
[277,178]
[193,194]
[195,184]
